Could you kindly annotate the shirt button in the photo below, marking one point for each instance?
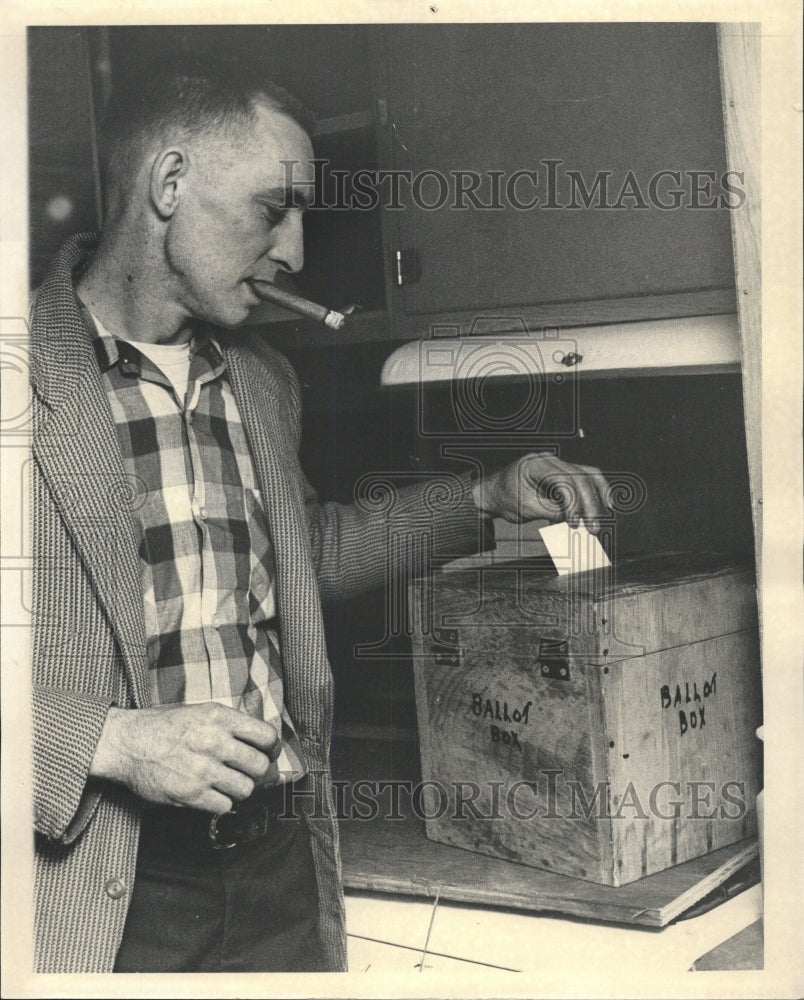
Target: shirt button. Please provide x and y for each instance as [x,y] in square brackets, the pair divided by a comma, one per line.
[202,513]
[115,888]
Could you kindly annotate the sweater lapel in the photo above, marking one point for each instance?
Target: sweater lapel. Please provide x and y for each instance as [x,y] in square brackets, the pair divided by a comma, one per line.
[75,446]
[304,653]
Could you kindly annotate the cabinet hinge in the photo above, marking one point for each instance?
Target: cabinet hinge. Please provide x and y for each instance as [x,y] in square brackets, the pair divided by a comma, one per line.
[407,266]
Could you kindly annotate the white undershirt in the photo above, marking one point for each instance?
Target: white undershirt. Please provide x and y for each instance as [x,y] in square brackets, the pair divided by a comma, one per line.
[173,360]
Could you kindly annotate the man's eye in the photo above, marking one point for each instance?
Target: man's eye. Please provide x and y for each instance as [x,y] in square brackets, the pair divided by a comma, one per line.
[273,214]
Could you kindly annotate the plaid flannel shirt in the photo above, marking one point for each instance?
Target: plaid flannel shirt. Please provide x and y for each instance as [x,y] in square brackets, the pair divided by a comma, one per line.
[207,562]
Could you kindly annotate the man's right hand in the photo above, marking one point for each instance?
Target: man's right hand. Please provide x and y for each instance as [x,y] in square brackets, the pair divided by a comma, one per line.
[203,756]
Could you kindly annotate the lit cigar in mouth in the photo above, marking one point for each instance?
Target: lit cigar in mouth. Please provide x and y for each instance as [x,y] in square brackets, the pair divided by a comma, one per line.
[295,303]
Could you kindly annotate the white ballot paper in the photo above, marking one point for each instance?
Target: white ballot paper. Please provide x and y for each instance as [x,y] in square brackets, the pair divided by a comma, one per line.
[573,550]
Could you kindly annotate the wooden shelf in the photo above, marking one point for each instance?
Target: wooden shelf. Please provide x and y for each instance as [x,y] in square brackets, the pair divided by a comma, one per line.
[379,325]
[394,856]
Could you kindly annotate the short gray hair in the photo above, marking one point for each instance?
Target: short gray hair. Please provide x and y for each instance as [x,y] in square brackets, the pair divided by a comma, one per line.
[194,93]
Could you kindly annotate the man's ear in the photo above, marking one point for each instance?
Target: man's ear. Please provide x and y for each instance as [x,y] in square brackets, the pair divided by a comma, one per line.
[167,171]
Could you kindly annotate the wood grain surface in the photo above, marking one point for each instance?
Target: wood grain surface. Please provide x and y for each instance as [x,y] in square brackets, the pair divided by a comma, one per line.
[739,51]
[600,725]
[395,856]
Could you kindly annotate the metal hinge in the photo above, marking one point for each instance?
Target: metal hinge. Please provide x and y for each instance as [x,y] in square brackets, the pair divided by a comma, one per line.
[553,661]
[407,267]
[445,647]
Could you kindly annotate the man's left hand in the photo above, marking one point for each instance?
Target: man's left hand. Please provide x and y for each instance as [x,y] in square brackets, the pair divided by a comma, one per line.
[543,487]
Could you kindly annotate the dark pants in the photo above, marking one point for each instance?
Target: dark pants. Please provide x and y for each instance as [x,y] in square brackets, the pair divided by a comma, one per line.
[249,908]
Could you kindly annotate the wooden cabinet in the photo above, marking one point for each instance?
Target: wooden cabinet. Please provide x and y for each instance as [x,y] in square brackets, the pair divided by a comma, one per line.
[548,117]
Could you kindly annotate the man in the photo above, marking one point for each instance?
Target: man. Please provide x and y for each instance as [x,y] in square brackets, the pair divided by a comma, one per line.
[180,671]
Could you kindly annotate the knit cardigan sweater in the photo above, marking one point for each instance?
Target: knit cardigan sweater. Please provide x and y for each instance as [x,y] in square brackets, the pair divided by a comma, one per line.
[88,643]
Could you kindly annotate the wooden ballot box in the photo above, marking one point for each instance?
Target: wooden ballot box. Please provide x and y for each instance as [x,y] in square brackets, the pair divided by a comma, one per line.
[599,725]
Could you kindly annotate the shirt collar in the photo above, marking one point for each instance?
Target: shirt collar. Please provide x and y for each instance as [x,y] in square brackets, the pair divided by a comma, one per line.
[110,351]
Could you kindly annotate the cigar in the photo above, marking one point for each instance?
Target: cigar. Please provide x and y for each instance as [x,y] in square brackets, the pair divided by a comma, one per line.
[295,303]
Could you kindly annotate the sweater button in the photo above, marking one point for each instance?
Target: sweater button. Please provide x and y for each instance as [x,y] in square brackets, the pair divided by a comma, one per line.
[115,888]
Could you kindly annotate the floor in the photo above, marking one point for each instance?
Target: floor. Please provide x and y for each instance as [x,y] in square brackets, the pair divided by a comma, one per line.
[404,935]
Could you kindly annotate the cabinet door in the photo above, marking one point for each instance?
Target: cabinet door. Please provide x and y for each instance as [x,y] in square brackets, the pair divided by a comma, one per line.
[616,102]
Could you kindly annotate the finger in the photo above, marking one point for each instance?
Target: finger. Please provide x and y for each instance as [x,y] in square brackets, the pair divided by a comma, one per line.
[596,506]
[565,489]
[601,484]
[270,778]
[587,505]
[230,782]
[544,491]
[564,493]
[570,491]
[246,759]
[259,734]
[212,801]
[574,489]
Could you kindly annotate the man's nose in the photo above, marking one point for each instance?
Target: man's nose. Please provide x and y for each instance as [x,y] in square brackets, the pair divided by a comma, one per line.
[288,245]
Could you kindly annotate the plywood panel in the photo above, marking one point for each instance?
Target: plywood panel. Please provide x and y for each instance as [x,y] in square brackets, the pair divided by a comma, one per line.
[739,47]
[683,761]
[396,856]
